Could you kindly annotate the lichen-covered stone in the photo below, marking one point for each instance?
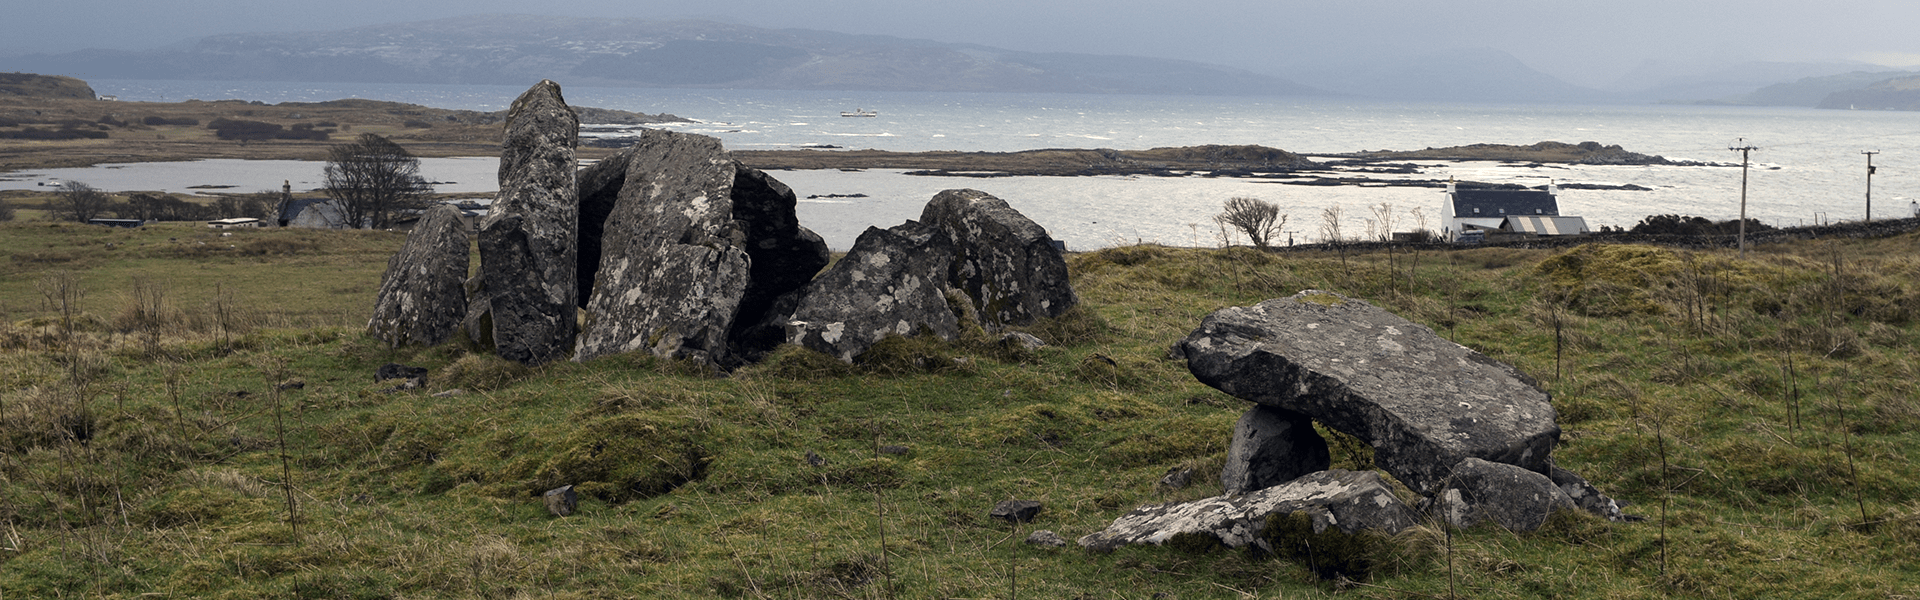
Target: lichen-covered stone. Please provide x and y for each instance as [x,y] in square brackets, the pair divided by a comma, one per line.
[1509,496]
[672,265]
[423,294]
[1422,402]
[683,250]
[1271,446]
[1003,261]
[527,243]
[1351,500]
[890,283]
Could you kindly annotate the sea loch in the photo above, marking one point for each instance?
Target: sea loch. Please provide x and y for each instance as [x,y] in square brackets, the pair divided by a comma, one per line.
[1809,167]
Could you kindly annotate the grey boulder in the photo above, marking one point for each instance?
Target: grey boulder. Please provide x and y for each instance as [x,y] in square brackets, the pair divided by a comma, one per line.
[890,283]
[1007,264]
[1509,496]
[1422,402]
[527,242]
[1584,495]
[1016,511]
[684,250]
[1350,500]
[423,295]
[1271,446]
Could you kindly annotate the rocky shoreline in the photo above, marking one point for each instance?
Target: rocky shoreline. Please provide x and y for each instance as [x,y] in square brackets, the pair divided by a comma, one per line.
[1247,162]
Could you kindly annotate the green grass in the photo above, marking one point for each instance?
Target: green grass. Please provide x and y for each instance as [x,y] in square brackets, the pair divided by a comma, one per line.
[699,487]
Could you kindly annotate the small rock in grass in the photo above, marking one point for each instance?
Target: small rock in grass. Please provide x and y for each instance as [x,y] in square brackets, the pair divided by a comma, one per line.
[1016,511]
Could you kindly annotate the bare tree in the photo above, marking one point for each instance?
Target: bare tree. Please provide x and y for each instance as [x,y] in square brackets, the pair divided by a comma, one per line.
[1330,225]
[1384,214]
[1257,218]
[78,201]
[374,181]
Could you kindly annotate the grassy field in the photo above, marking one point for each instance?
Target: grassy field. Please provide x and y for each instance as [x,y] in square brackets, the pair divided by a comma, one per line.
[191,415]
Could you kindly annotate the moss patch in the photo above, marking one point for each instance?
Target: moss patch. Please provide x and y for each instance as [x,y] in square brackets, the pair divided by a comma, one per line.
[626,457]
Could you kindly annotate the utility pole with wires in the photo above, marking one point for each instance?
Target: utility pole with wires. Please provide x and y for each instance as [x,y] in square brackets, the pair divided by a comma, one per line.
[1870,154]
[1744,149]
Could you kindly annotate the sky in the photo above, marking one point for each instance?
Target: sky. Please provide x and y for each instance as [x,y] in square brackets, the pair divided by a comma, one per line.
[1582,42]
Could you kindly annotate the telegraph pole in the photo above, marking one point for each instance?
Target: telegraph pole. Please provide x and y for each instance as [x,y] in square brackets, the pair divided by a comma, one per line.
[1744,150]
[1870,154]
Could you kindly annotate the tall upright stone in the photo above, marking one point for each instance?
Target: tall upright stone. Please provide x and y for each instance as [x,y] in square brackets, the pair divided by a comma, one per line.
[527,243]
[1422,402]
[423,296]
[673,262]
[1006,263]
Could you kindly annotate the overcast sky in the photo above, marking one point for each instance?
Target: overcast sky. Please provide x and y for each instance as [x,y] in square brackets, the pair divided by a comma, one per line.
[1583,42]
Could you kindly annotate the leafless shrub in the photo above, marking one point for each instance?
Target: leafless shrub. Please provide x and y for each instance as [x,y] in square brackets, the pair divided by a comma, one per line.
[1258,219]
[1330,225]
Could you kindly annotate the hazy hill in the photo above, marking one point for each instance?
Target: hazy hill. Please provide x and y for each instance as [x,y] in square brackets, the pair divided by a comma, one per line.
[519,49]
[1899,93]
[1763,83]
[1813,91]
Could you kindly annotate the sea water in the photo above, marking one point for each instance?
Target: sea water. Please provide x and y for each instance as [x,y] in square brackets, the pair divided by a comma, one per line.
[1808,168]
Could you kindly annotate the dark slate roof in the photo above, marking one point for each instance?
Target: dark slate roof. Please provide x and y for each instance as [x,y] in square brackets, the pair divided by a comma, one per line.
[1514,202]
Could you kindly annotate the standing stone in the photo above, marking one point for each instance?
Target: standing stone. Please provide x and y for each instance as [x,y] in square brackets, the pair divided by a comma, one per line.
[423,296]
[527,243]
[673,264]
[1271,446]
[1006,263]
[890,283]
[1514,498]
[1350,500]
[782,256]
[1422,402]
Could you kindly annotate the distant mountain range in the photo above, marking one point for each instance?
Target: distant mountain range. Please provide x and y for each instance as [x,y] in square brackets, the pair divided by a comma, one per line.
[520,49]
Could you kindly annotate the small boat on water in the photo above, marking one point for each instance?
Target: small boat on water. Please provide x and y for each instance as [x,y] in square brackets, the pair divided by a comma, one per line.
[860,112]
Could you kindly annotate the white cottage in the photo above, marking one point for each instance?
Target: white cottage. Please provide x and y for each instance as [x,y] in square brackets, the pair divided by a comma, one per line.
[1476,212]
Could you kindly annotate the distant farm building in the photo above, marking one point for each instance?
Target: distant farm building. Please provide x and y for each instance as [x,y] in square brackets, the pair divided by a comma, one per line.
[234,223]
[127,223]
[1473,214]
[312,213]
